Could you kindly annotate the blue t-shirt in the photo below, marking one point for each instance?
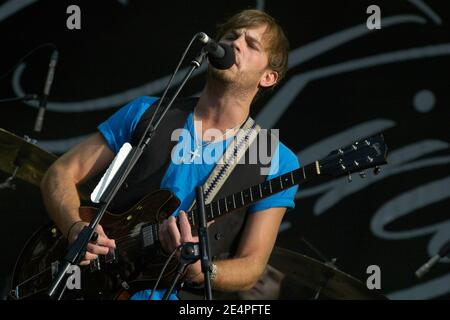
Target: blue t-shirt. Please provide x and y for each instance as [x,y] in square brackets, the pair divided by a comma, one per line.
[186,171]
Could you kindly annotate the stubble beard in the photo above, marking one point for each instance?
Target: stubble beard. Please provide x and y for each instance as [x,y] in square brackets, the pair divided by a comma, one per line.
[235,82]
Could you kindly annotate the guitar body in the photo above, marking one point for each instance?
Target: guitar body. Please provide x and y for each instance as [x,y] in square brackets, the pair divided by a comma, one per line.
[135,265]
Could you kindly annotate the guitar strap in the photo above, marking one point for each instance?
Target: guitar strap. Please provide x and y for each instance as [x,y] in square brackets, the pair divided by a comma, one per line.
[231,157]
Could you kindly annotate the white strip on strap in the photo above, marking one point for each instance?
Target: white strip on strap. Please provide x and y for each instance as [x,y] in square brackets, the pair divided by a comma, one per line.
[232,156]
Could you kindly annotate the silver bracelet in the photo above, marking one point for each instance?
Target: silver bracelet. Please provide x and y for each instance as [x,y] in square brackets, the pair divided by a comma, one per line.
[213,272]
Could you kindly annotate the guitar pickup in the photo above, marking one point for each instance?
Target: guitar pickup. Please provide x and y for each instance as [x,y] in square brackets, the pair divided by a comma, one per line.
[148,234]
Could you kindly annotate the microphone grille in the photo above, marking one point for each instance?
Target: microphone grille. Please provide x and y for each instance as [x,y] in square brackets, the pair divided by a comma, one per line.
[226,61]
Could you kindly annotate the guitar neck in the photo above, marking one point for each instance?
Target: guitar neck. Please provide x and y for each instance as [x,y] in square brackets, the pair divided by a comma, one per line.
[255,193]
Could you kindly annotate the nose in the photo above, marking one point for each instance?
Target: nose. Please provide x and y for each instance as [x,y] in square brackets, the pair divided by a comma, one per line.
[239,42]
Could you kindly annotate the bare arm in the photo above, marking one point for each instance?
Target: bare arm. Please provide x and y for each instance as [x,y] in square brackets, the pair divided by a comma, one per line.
[258,239]
[243,270]
[74,167]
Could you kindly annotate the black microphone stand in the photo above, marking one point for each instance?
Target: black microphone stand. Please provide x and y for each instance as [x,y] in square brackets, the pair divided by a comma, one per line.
[190,253]
[78,247]
[26,97]
[203,238]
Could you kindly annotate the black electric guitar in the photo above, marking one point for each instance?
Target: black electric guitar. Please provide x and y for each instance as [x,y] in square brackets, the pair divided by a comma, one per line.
[137,261]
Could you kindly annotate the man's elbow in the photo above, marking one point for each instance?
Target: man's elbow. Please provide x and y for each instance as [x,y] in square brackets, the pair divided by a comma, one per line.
[252,280]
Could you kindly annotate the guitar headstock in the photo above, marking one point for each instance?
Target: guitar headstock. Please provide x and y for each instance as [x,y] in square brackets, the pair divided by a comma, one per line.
[367,153]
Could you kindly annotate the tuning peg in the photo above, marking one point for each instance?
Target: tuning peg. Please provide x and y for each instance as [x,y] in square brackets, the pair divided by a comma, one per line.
[370,159]
[376,170]
[362,174]
[349,178]
[367,142]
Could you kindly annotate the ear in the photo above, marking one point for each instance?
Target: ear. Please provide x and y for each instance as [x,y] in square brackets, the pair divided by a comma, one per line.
[269,78]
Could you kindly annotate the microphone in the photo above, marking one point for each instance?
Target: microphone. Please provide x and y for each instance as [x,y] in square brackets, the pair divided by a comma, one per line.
[220,55]
[430,263]
[46,92]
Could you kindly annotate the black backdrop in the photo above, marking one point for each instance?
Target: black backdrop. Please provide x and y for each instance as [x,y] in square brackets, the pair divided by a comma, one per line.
[345,82]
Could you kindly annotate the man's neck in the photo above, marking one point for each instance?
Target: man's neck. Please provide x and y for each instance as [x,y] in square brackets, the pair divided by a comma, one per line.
[222,109]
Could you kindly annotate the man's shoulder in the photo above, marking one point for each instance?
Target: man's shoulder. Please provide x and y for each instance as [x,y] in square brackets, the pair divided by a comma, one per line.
[144,101]
[287,155]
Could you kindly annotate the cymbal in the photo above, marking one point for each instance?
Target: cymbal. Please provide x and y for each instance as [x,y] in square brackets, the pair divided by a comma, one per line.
[308,272]
[28,160]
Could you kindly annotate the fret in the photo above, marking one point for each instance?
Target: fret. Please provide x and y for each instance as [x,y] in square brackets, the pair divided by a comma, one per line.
[234,201]
[260,191]
[251,196]
[242,197]
[226,205]
[246,196]
[270,186]
[281,183]
[254,193]
[211,212]
[292,177]
[276,185]
[218,207]
[191,218]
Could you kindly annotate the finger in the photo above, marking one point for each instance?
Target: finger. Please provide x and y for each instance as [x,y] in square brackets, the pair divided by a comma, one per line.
[90,256]
[85,263]
[92,248]
[185,228]
[173,232]
[100,230]
[105,241]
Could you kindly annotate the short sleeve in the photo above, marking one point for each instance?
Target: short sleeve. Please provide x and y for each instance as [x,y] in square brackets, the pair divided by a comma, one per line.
[283,161]
[119,127]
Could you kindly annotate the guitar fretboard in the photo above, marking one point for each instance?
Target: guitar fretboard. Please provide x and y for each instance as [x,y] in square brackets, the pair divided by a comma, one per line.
[255,193]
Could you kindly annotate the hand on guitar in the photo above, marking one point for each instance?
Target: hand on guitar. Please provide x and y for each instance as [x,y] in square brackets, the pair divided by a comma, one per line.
[101,246]
[171,237]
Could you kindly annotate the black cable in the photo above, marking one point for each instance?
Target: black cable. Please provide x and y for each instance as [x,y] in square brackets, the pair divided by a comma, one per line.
[49,44]
[162,272]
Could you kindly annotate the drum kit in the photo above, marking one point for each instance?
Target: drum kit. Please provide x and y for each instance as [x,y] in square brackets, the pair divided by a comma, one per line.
[22,159]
